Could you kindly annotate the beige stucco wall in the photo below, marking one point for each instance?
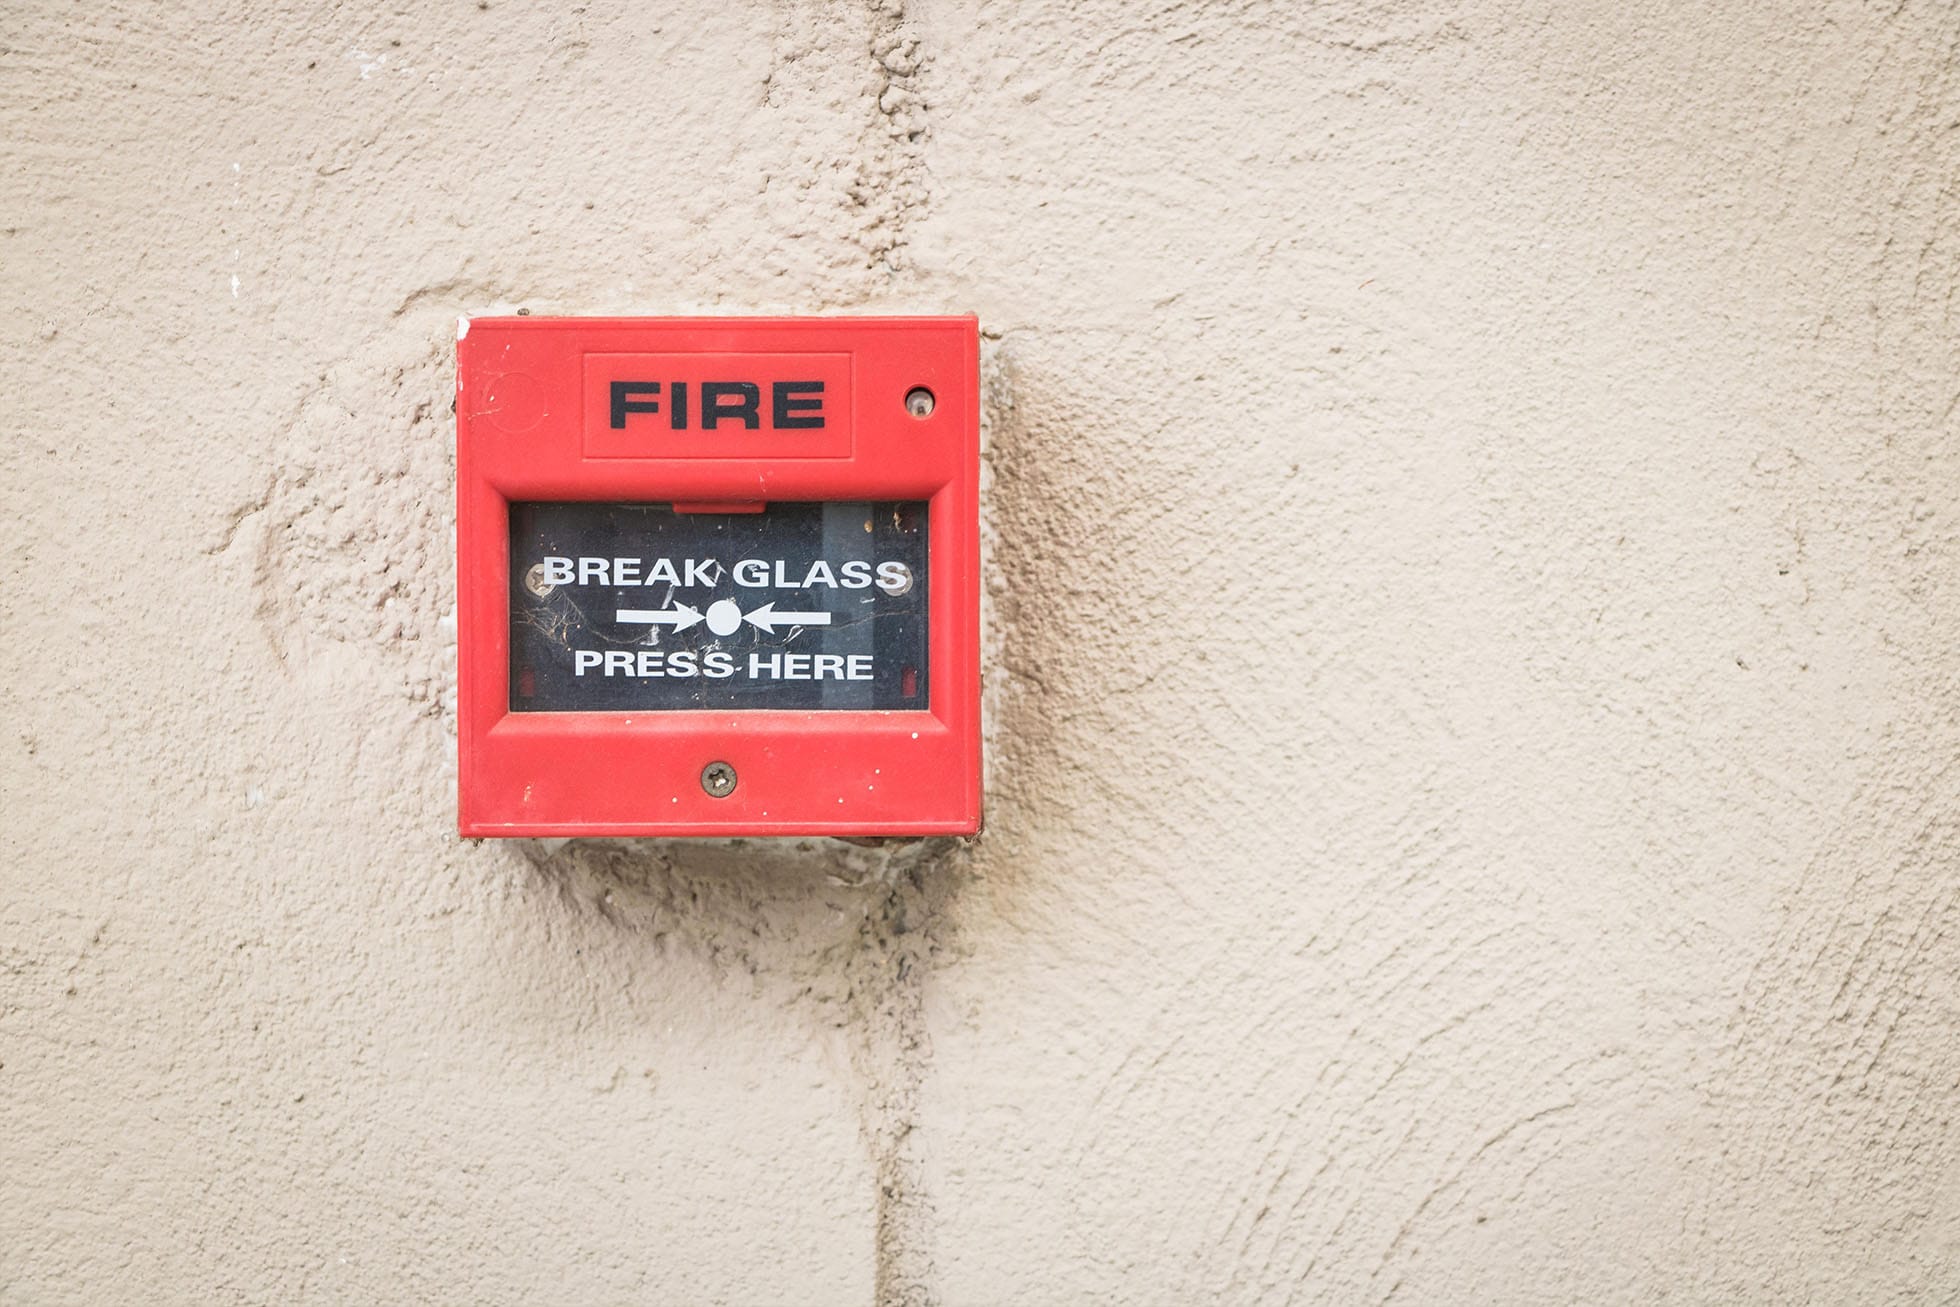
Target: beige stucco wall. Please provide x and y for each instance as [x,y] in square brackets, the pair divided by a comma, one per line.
[1473,671]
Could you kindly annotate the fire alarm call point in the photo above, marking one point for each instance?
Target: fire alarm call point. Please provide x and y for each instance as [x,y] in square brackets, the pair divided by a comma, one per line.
[718,576]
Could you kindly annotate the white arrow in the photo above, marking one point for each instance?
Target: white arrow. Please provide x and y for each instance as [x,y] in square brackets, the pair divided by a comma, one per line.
[766,618]
[680,617]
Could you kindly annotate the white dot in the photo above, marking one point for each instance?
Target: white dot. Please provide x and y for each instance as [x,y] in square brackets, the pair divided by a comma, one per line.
[915,735]
[724,617]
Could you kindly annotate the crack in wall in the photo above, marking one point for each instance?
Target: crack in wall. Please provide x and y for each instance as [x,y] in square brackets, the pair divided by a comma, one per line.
[893,1053]
[774,910]
[852,931]
[845,180]
[891,177]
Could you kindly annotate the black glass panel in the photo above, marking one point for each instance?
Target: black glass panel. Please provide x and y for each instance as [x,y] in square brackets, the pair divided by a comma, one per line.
[637,607]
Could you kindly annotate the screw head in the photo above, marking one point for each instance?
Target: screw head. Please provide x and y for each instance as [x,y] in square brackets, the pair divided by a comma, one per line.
[718,779]
[919,402]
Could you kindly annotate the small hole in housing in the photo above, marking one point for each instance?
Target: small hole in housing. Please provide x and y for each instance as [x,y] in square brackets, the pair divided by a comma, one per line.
[919,402]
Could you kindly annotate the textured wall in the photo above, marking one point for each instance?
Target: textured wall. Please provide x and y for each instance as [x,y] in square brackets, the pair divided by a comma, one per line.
[1473,681]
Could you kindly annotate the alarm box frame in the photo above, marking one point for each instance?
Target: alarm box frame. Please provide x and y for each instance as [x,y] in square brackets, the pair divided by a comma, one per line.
[682,423]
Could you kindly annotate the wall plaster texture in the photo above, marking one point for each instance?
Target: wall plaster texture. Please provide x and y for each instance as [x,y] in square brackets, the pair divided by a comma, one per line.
[1472,598]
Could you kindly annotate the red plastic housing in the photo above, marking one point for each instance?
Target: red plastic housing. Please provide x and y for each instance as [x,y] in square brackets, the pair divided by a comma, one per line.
[531,426]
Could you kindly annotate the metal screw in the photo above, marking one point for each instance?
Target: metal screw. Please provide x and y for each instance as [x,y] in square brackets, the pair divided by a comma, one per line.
[534,582]
[919,402]
[718,779]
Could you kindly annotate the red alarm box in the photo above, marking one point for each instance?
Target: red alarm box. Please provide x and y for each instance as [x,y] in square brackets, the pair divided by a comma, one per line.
[718,576]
